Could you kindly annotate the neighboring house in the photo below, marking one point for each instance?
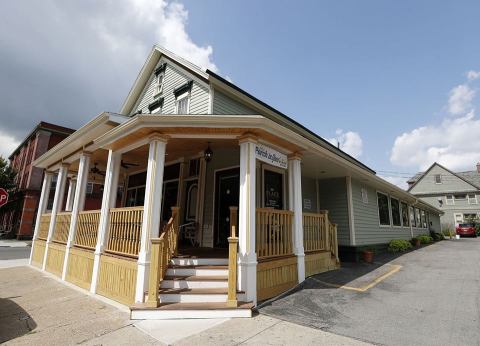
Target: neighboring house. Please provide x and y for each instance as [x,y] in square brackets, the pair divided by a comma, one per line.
[20,219]
[457,194]
[192,166]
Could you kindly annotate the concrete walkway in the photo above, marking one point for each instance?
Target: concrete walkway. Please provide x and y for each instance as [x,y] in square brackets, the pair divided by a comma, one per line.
[36,309]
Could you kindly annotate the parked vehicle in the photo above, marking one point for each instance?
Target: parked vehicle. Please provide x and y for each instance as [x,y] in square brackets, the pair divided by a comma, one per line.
[467,229]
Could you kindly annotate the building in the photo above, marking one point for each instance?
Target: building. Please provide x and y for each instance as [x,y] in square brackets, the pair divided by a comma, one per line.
[20,218]
[456,194]
[212,200]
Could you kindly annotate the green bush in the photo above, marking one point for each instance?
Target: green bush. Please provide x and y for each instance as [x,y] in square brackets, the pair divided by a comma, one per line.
[399,245]
[437,236]
[425,239]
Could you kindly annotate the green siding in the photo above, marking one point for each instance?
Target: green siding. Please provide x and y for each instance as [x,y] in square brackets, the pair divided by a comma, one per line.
[173,78]
[333,197]
[222,104]
[367,228]
[309,191]
[450,183]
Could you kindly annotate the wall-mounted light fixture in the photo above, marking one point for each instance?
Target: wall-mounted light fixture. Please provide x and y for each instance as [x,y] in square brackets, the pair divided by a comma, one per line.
[208,153]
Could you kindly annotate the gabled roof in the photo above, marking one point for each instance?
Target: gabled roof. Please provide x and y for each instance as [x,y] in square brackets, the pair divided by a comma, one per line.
[470,177]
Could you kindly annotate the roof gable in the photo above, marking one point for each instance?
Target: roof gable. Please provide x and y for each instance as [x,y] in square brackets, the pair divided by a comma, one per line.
[450,182]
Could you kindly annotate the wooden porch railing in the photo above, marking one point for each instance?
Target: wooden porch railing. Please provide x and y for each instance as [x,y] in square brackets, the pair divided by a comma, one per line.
[232,259]
[314,231]
[87,229]
[162,250]
[62,226]
[273,232]
[44,225]
[124,231]
[332,232]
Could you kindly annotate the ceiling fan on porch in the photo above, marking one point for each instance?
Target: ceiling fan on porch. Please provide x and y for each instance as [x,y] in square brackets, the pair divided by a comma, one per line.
[127,165]
[95,170]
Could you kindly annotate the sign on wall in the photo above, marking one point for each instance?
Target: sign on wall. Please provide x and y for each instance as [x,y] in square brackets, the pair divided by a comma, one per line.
[3,197]
[271,156]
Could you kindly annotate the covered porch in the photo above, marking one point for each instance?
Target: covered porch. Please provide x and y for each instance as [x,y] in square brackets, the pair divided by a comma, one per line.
[176,192]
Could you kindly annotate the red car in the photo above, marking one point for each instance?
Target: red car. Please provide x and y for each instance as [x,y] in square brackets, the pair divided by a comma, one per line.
[467,229]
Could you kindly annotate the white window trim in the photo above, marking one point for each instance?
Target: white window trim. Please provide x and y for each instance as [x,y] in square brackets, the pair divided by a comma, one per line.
[389,210]
[452,200]
[435,179]
[472,199]
[159,86]
[181,97]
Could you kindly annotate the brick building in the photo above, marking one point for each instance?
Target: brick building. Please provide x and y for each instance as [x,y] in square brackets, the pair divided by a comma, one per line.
[18,216]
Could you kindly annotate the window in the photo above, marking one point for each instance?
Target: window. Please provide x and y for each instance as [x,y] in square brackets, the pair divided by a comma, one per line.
[472,199]
[183,102]
[193,167]
[423,218]
[412,217]
[405,219]
[460,197]
[273,188]
[396,218]
[136,189]
[89,188]
[438,179]
[364,196]
[449,199]
[192,202]
[383,210]
[418,221]
[158,84]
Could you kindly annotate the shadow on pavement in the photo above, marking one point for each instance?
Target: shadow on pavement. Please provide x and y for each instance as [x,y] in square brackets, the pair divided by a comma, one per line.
[14,320]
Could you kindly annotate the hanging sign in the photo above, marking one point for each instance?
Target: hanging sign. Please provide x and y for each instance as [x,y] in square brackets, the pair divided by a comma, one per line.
[271,156]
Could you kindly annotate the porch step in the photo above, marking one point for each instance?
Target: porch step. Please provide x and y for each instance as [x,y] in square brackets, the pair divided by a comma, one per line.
[195,282]
[195,295]
[197,270]
[168,311]
[198,261]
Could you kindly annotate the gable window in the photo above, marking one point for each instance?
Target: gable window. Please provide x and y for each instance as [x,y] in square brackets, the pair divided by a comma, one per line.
[364,196]
[183,102]
[472,199]
[383,210]
[412,217]
[405,219]
[438,178]
[159,84]
[396,218]
[449,199]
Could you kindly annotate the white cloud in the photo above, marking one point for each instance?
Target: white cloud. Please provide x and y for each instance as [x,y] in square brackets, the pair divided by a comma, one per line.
[398,181]
[460,99]
[472,75]
[7,145]
[75,59]
[350,142]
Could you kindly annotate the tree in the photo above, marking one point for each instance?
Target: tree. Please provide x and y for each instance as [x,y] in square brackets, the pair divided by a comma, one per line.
[7,175]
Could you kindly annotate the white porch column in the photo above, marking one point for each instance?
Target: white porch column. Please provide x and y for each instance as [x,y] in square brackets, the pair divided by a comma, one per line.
[57,206]
[247,257]
[151,211]
[295,205]
[108,201]
[42,206]
[78,202]
[71,193]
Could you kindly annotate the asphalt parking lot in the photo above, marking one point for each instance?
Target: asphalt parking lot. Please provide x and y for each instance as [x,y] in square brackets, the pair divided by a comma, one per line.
[425,297]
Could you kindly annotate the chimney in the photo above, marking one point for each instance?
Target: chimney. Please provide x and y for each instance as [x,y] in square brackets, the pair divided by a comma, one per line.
[478,168]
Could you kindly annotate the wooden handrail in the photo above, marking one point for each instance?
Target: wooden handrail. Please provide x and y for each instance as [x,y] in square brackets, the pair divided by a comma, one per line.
[162,250]
[44,225]
[125,227]
[319,234]
[62,227]
[232,259]
[273,232]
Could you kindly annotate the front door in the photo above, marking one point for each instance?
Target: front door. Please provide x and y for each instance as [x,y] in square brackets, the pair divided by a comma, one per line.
[227,185]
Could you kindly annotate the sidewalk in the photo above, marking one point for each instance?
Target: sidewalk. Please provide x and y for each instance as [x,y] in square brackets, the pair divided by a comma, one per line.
[36,309]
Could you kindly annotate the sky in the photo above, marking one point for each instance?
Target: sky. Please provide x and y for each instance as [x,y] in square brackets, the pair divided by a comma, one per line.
[394,82]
